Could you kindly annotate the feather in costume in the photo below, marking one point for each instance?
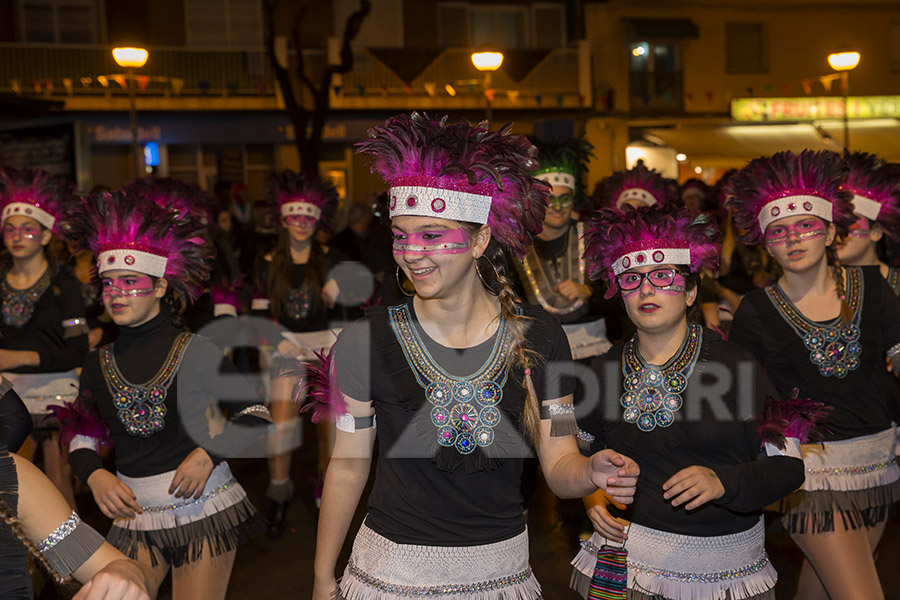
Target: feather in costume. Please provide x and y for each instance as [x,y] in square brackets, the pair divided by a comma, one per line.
[79,418]
[38,195]
[462,173]
[638,183]
[318,384]
[787,185]
[174,195]
[616,241]
[565,165]
[292,193]
[131,232]
[875,185]
[792,418]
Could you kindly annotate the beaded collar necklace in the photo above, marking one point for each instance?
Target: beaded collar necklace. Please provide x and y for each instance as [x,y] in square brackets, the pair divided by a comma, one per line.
[142,407]
[653,394]
[540,282]
[18,305]
[834,347]
[464,408]
[893,279]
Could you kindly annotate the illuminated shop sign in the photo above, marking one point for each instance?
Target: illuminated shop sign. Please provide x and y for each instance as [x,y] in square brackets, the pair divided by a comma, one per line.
[811,109]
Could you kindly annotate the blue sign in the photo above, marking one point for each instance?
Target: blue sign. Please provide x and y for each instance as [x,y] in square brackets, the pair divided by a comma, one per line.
[151,154]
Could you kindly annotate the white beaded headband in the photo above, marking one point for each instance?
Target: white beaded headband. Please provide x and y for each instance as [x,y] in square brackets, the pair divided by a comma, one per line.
[792,206]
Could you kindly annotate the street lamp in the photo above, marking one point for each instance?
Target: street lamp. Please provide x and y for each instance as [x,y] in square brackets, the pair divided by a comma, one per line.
[487,63]
[843,63]
[131,59]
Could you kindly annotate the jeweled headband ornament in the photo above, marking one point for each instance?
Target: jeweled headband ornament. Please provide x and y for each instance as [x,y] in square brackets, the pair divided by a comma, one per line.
[461,173]
[875,185]
[35,194]
[788,185]
[638,183]
[564,164]
[131,232]
[617,241]
[297,194]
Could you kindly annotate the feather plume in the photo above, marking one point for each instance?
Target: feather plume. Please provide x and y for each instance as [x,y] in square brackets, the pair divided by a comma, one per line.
[80,418]
[318,384]
[52,194]
[289,186]
[569,157]
[877,180]
[793,418]
[641,177]
[174,195]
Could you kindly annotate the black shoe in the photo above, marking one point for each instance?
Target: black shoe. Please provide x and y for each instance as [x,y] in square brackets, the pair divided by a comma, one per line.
[276,520]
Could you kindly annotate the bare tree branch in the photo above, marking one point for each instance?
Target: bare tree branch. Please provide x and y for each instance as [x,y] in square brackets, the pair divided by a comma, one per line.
[298,44]
[351,30]
[281,73]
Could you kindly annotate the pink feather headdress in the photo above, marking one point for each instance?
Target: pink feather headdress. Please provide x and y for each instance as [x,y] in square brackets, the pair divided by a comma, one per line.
[637,184]
[616,241]
[132,232]
[462,173]
[292,193]
[36,194]
[788,185]
[792,418]
[875,185]
[174,195]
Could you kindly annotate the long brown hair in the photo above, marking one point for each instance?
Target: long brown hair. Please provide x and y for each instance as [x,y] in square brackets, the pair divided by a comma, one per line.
[279,279]
[10,520]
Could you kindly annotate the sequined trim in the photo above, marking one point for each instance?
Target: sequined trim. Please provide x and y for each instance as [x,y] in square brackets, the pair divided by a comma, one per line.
[584,436]
[299,302]
[465,408]
[18,305]
[167,507]
[754,567]
[541,284]
[410,591]
[653,394]
[255,409]
[893,351]
[834,348]
[74,322]
[561,409]
[851,470]
[60,533]
[142,408]
[893,278]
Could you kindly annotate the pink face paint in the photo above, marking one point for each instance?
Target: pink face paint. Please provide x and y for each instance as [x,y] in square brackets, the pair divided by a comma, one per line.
[437,241]
[25,232]
[664,281]
[778,234]
[128,286]
[299,220]
[860,229]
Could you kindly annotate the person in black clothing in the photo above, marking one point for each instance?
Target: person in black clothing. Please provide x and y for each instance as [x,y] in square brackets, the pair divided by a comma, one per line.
[301,290]
[451,382]
[677,399]
[43,326]
[174,500]
[828,331]
[15,422]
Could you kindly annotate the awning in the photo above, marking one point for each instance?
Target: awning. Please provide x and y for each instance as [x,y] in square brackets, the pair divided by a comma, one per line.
[723,144]
[655,29]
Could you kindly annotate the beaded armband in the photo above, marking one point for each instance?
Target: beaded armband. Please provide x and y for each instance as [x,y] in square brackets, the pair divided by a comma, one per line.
[562,419]
[350,424]
[74,328]
[893,351]
[70,545]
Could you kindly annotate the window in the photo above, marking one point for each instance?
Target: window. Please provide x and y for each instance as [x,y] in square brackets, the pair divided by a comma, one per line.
[746,48]
[230,23]
[58,21]
[654,70]
[549,26]
[500,26]
[504,26]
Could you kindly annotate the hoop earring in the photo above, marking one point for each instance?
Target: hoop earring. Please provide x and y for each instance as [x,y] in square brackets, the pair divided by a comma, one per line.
[400,283]
[496,288]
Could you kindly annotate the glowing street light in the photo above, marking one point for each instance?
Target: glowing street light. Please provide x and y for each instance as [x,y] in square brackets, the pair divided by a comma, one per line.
[843,63]
[131,59]
[487,63]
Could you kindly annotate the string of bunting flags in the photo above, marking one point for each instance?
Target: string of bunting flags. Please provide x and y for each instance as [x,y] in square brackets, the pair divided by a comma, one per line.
[169,85]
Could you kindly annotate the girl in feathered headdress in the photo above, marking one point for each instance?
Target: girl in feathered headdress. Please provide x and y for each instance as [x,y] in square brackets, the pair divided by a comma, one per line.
[827,330]
[300,291]
[454,379]
[43,325]
[552,273]
[651,257]
[875,185]
[174,500]
[637,186]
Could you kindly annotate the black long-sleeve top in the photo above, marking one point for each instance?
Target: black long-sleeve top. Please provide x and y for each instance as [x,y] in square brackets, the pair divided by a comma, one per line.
[711,430]
[204,374]
[15,422]
[864,401]
[60,347]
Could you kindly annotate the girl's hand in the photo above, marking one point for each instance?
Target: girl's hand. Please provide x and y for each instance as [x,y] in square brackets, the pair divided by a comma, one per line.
[288,350]
[616,474]
[326,589]
[610,527]
[121,579]
[330,293]
[191,475]
[112,495]
[696,484]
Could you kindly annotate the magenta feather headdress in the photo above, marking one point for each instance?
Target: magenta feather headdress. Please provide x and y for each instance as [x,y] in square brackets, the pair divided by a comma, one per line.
[637,184]
[318,385]
[875,185]
[173,194]
[80,418]
[226,297]
[132,232]
[36,194]
[616,241]
[462,173]
[793,418]
[721,190]
[292,193]
[787,185]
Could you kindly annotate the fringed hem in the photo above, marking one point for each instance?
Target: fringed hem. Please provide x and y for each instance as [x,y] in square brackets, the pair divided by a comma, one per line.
[223,531]
[562,425]
[580,582]
[813,512]
[358,586]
